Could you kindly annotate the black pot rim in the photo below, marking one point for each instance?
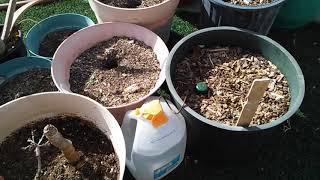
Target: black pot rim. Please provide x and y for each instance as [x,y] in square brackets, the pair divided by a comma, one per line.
[245,7]
[196,115]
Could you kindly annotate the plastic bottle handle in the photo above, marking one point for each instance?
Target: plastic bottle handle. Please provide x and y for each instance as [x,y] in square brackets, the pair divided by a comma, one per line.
[128,122]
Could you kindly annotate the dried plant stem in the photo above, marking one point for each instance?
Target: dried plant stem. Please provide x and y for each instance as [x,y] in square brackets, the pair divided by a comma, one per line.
[36,147]
[65,145]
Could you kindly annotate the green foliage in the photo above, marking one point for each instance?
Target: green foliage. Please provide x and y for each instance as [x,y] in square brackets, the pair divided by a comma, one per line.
[182,27]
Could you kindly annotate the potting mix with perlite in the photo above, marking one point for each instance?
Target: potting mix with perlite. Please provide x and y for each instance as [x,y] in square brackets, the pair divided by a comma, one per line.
[115,72]
[228,73]
[51,41]
[248,2]
[131,3]
[27,83]
[159,139]
[98,159]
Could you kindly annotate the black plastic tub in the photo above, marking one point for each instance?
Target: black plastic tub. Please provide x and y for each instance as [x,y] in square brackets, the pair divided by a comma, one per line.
[18,51]
[207,136]
[255,18]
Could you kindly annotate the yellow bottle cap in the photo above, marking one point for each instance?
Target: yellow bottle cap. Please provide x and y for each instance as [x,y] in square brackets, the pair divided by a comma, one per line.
[153,111]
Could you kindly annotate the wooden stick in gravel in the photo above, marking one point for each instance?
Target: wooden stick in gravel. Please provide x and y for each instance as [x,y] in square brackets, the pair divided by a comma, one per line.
[65,145]
[256,92]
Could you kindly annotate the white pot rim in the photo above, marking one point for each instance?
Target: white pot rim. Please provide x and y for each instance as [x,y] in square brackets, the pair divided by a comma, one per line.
[132,9]
[161,77]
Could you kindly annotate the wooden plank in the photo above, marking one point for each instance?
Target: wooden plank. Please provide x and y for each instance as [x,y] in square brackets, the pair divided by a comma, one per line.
[4,6]
[8,20]
[256,92]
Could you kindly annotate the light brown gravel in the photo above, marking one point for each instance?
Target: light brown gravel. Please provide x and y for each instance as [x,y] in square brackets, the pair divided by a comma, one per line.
[229,73]
[115,72]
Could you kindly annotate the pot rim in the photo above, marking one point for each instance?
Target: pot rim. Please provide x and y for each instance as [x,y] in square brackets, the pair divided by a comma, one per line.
[247,7]
[21,65]
[132,9]
[161,78]
[120,156]
[60,27]
[196,115]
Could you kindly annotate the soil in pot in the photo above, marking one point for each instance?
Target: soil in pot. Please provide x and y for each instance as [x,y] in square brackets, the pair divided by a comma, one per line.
[118,71]
[51,41]
[229,73]
[249,2]
[26,83]
[98,159]
[131,3]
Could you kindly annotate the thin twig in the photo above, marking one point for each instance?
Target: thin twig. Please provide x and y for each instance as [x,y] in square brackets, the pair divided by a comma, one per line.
[37,150]
[36,147]
[287,128]
[179,110]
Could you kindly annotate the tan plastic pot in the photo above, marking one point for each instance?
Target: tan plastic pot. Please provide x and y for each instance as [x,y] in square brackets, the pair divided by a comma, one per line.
[22,111]
[84,39]
[157,18]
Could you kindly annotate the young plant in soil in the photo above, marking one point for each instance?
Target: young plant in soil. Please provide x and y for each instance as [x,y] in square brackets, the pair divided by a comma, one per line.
[75,149]
[228,73]
[131,3]
[115,72]
[27,83]
[249,2]
[51,41]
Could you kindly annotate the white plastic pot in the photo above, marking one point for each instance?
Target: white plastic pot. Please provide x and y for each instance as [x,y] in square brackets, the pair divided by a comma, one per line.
[157,18]
[86,38]
[22,111]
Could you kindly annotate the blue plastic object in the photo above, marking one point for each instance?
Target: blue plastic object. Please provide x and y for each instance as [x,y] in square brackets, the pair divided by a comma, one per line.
[16,66]
[53,23]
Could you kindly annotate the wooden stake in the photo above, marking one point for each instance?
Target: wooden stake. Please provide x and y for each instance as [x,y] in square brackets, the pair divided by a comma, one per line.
[256,92]
[8,20]
[4,6]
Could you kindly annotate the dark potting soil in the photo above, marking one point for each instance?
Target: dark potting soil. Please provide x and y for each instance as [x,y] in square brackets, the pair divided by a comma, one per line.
[98,159]
[27,83]
[51,42]
[115,72]
[229,73]
[249,2]
[131,3]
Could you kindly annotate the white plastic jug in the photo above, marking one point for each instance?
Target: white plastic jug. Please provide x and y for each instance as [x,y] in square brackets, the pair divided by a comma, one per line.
[153,152]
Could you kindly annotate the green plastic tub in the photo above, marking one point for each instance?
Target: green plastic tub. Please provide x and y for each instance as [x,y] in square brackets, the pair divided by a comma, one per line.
[222,139]
[297,13]
[53,23]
